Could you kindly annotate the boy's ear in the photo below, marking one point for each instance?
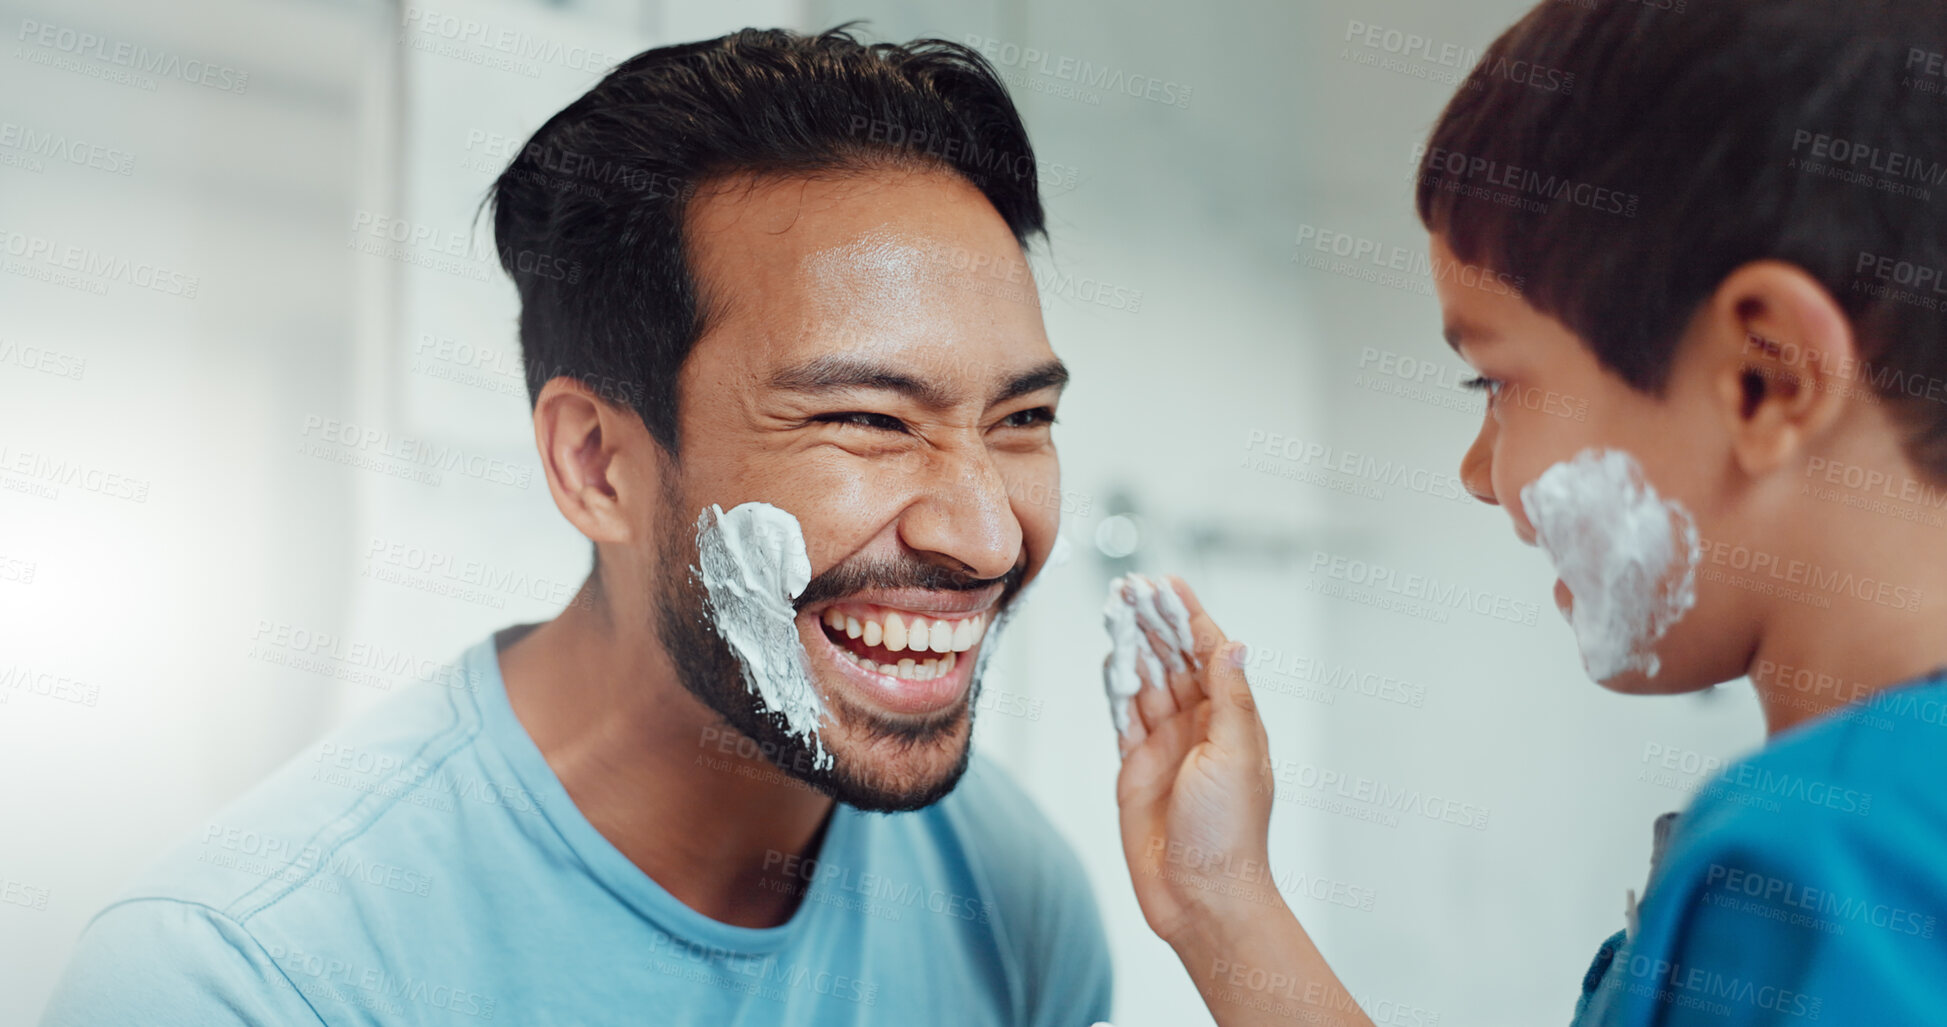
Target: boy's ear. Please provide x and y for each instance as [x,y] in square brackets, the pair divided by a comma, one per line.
[1781,356]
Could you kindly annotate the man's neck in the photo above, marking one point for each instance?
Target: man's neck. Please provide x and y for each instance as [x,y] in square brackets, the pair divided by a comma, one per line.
[657,772]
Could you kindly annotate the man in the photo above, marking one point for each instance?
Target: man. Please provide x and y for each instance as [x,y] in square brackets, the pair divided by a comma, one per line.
[800,284]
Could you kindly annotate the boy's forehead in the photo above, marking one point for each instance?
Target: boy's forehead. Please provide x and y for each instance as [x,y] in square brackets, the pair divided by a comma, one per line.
[1474,317]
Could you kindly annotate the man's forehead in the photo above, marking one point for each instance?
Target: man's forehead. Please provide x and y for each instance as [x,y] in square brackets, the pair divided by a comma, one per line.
[887,312]
[899,270]
[884,267]
[897,221]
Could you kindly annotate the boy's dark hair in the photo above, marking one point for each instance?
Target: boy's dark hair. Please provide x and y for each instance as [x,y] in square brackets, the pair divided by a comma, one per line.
[588,218]
[1625,156]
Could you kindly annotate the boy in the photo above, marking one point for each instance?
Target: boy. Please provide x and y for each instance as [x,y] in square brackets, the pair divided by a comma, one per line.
[1730,220]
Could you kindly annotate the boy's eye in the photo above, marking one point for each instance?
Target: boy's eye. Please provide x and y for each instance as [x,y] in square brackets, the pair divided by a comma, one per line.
[1479,383]
[865,419]
[1029,418]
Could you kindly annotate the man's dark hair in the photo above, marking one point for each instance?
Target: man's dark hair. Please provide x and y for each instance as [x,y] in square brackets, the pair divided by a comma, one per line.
[1624,156]
[588,218]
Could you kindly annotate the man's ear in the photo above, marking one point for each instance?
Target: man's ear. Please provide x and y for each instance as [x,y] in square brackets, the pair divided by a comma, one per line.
[600,461]
[1781,356]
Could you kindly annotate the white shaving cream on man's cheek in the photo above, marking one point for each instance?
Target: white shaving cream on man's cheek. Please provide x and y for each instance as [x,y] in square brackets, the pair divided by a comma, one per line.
[753,563]
[1628,557]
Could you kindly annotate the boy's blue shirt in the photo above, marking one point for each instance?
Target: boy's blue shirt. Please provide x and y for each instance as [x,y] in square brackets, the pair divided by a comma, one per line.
[1806,884]
[425,866]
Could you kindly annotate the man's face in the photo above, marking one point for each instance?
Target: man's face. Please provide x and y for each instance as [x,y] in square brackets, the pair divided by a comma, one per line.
[1549,399]
[873,362]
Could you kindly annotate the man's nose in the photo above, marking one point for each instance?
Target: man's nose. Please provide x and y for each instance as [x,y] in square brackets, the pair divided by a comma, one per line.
[1477,465]
[966,515]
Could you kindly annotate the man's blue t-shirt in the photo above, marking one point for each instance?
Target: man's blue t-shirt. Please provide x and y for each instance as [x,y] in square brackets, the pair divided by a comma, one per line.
[426,866]
[1805,885]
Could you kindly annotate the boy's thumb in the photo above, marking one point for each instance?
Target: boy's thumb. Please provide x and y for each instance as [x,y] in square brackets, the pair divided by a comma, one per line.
[1233,710]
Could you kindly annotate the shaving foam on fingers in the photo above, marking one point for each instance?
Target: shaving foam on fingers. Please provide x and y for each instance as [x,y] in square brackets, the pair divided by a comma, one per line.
[1119,677]
[753,564]
[1160,611]
[1135,602]
[1627,556]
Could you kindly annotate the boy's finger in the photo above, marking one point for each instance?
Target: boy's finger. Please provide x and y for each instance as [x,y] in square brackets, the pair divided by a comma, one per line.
[1234,722]
[1154,698]
[1208,636]
[1133,733]
[1182,683]
[1149,769]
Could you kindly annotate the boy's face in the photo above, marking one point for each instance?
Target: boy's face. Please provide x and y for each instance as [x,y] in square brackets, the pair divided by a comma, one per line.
[1548,399]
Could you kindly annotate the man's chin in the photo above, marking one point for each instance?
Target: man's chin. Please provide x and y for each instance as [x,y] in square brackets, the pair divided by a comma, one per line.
[898,740]
[886,763]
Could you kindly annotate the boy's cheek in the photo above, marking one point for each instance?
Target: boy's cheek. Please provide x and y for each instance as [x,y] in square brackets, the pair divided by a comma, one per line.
[1517,512]
[1524,452]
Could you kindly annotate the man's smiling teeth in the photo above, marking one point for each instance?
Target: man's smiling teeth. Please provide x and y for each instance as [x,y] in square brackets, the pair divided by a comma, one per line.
[909,668]
[898,634]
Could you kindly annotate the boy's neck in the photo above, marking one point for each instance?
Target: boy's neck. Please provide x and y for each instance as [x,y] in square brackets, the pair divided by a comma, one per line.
[1883,623]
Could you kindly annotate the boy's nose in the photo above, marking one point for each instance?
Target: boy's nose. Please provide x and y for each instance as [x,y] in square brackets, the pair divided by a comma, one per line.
[1477,465]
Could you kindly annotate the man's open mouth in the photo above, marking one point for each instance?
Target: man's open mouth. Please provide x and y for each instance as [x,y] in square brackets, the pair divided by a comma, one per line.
[902,644]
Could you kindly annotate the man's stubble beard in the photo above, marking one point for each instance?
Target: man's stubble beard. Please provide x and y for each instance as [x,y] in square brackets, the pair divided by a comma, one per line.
[709,670]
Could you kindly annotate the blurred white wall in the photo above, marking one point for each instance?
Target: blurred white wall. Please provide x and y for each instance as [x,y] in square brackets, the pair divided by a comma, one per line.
[238,304]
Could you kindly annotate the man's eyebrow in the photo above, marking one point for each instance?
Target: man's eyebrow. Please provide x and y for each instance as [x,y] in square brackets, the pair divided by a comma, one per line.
[1051,375]
[833,373]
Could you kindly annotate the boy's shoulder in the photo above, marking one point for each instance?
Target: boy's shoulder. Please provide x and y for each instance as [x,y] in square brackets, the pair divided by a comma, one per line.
[1843,812]
[1864,770]
[1805,881]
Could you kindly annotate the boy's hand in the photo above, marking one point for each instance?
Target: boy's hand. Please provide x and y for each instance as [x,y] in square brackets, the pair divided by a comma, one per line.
[1195,792]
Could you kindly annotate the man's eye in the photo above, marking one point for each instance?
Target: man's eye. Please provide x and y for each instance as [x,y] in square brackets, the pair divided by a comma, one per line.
[1029,418]
[1491,386]
[865,419]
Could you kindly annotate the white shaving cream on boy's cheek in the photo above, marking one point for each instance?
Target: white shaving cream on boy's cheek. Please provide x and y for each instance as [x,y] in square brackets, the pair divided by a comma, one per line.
[753,563]
[1628,557]
[1135,603]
